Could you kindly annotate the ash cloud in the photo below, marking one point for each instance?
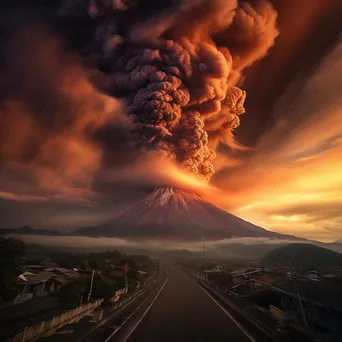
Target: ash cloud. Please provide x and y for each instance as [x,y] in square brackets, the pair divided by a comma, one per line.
[49,115]
[177,65]
[132,82]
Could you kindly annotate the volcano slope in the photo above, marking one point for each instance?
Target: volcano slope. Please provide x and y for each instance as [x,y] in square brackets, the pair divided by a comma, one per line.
[170,213]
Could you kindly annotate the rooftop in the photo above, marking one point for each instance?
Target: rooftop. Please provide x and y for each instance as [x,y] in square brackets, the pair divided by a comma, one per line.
[44,276]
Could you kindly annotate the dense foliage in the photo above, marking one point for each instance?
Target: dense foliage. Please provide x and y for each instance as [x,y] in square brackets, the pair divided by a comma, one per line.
[11,253]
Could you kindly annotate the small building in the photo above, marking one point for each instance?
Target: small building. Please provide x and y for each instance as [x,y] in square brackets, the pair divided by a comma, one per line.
[39,284]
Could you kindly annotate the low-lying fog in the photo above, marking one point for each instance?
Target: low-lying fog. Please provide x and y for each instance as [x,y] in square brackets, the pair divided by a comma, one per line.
[228,247]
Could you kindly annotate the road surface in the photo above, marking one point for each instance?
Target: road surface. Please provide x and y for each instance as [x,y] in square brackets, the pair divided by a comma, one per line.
[184,312]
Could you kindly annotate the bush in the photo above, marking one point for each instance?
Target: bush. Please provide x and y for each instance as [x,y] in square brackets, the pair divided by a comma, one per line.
[69,295]
[102,290]
[11,253]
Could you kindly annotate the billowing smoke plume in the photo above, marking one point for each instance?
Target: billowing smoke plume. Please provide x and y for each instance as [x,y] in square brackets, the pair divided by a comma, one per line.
[177,63]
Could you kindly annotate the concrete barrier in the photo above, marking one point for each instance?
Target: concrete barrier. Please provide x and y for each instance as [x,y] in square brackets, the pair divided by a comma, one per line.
[48,327]
[118,294]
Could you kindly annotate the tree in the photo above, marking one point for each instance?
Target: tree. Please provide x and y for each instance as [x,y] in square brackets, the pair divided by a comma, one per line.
[11,252]
[102,290]
[69,295]
[93,264]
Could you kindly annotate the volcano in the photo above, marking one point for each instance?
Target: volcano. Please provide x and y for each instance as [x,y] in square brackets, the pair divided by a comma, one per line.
[176,214]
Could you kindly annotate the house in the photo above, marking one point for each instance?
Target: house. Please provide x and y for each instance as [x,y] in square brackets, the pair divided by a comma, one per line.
[70,275]
[41,283]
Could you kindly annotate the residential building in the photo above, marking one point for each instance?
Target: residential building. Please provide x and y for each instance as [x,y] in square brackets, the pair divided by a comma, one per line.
[40,284]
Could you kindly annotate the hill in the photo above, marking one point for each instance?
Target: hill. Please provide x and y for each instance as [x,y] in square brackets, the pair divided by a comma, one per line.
[304,256]
[250,251]
[27,230]
[176,214]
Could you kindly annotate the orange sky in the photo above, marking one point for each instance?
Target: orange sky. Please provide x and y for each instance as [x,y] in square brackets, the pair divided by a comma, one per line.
[292,181]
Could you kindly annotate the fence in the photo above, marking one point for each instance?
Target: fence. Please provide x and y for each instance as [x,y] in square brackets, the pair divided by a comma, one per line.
[31,332]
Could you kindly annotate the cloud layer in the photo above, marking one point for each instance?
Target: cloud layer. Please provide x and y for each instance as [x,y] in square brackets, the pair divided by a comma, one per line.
[291,180]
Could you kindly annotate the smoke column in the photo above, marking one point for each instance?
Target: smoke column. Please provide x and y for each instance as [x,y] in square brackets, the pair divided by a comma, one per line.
[177,64]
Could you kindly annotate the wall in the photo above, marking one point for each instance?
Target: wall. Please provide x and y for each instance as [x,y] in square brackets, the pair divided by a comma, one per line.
[117,295]
[57,322]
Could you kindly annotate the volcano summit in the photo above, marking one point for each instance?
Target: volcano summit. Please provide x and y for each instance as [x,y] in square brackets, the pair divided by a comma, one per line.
[170,213]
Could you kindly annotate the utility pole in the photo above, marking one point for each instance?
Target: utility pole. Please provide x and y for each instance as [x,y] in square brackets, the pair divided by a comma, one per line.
[298,297]
[126,283]
[250,279]
[205,261]
[91,284]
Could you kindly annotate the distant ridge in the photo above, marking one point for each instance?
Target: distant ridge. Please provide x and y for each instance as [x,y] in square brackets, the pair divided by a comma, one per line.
[27,230]
[305,256]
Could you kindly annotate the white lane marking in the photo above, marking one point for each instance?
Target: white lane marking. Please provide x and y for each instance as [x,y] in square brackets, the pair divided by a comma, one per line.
[229,315]
[130,316]
[146,311]
[112,334]
[117,329]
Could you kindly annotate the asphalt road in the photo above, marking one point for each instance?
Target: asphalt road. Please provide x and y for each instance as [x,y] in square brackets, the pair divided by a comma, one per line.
[184,312]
